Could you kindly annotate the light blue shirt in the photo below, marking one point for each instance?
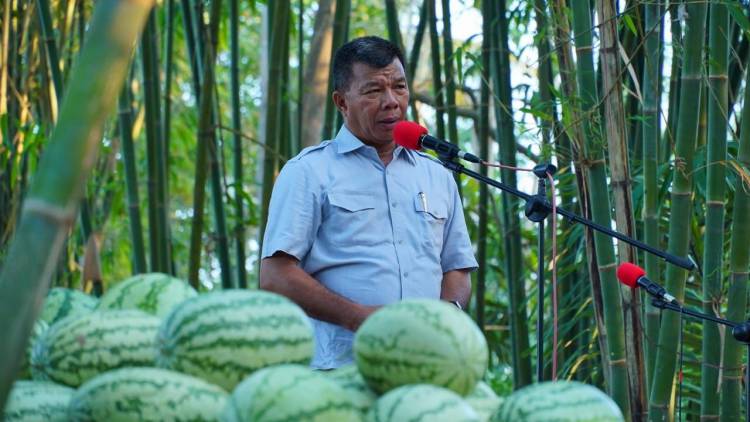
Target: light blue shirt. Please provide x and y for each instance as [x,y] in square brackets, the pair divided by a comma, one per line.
[371,233]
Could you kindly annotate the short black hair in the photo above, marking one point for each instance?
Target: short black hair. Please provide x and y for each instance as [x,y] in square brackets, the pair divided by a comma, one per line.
[373,51]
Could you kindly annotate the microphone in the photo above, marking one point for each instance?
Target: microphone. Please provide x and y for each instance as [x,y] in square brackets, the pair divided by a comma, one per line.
[635,276]
[414,136]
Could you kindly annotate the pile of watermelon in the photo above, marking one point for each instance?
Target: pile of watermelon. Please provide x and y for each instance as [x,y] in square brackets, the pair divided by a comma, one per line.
[154,349]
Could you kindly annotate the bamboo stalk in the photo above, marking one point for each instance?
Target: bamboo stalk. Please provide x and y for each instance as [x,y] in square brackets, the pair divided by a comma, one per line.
[239,230]
[593,154]
[206,134]
[619,185]
[437,82]
[681,206]
[450,73]
[488,15]
[391,20]
[651,139]
[713,246]
[131,181]
[340,34]
[506,141]
[50,206]
[739,262]
[414,57]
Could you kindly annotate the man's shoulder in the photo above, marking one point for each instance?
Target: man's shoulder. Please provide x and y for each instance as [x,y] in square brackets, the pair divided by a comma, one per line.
[312,152]
[430,162]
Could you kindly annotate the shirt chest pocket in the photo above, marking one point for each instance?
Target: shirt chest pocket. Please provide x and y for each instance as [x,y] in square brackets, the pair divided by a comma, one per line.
[353,220]
[432,213]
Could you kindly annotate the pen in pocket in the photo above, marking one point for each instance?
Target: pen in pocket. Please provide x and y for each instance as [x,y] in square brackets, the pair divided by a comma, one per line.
[423,197]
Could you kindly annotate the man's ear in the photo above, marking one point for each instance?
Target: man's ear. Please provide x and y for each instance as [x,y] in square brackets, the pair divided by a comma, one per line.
[339,101]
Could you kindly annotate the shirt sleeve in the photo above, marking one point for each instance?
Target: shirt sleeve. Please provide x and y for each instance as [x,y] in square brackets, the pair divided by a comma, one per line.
[294,212]
[457,252]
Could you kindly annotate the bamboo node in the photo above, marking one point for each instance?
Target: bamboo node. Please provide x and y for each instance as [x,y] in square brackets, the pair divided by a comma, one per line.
[46,210]
[618,362]
[586,163]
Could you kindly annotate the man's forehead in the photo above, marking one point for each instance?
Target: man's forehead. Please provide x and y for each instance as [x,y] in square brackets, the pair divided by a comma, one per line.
[364,73]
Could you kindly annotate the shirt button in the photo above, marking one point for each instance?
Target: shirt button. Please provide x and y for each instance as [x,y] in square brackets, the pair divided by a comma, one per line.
[406,275]
[393,204]
[400,242]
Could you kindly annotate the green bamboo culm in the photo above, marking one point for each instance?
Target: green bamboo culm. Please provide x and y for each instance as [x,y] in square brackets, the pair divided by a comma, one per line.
[272,138]
[651,138]
[340,35]
[437,82]
[131,181]
[156,155]
[713,244]
[391,21]
[739,262]
[50,47]
[206,139]
[681,206]
[411,64]
[450,73]
[613,360]
[239,208]
[56,189]
[506,141]
[488,12]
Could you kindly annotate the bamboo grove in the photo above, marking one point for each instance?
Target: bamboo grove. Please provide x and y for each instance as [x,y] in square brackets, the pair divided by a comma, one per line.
[153,147]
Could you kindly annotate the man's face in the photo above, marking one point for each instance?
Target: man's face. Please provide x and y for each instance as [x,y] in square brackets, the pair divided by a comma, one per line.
[374,102]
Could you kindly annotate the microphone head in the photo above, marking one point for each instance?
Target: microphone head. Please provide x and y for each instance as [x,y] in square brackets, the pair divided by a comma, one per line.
[629,274]
[407,134]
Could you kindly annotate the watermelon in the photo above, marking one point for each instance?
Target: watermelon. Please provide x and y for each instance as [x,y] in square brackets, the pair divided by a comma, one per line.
[40,327]
[290,393]
[80,347]
[349,378]
[224,336]
[37,401]
[147,394]
[420,341]
[564,401]
[61,302]
[153,293]
[484,400]
[421,403]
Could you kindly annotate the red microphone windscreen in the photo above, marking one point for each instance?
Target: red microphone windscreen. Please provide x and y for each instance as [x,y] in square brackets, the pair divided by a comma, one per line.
[407,134]
[629,274]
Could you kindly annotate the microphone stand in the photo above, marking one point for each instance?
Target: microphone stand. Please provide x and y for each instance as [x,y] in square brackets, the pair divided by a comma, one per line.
[537,210]
[740,332]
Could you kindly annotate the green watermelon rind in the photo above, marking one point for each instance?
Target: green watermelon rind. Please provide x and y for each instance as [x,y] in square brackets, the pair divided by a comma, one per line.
[40,327]
[146,394]
[153,293]
[420,341]
[349,378]
[290,392]
[421,403]
[80,347]
[62,302]
[225,336]
[37,401]
[563,401]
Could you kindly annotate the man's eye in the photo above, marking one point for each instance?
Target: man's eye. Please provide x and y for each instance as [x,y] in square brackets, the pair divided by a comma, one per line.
[371,91]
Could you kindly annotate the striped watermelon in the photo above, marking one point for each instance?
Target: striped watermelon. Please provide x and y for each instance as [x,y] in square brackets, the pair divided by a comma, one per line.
[290,393]
[147,394]
[421,403]
[61,302]
[37,401]
[351,380]
[564,401]
[80,347]
[40,327]
[224,336]
[420,341]
[484,400]
[154,293]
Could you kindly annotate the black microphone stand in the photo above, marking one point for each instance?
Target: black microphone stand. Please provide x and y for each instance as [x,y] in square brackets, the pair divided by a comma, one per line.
[740,332]
[537,210]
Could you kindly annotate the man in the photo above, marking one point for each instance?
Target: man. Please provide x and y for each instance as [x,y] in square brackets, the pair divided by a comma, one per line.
[358,222]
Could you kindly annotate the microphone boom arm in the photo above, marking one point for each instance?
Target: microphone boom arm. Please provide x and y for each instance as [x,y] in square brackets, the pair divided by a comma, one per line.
[681,262]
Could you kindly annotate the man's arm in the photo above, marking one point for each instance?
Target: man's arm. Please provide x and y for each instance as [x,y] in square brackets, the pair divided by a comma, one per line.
[281,274]
[456,286]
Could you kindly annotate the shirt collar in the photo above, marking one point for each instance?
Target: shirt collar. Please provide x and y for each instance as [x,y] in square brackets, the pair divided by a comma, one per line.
[346,142]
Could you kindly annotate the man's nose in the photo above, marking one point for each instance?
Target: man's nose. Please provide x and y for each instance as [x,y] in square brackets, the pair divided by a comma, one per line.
[389,99]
